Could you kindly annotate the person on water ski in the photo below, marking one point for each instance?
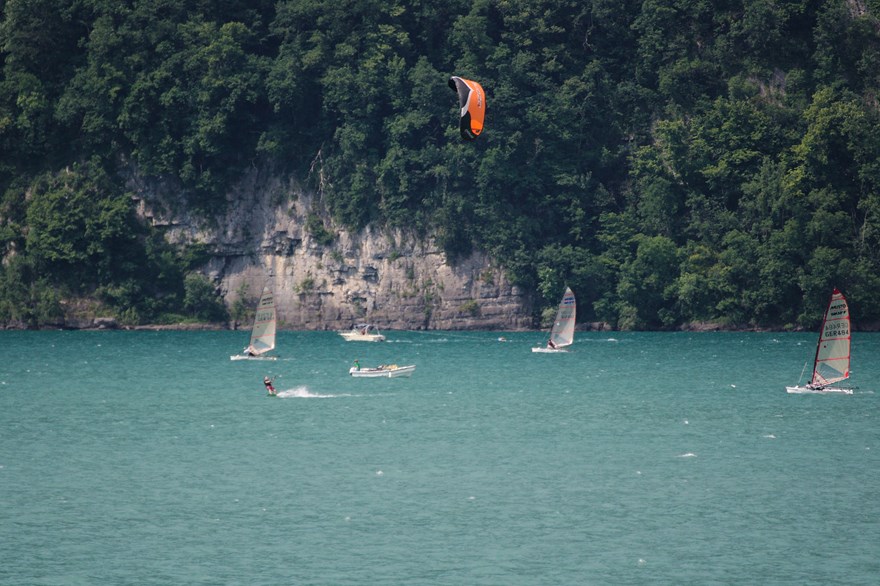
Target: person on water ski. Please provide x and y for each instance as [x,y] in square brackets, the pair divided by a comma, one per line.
[268,382]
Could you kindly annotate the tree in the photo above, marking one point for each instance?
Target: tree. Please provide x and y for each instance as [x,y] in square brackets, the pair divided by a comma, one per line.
[647,284]
[201,300]
[81,229]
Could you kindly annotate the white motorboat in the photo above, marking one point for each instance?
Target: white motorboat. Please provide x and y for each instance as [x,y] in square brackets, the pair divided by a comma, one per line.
[363,333]
[383,371]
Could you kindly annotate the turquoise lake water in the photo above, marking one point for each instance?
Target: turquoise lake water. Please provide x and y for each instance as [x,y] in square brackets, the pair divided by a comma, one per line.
[638,458]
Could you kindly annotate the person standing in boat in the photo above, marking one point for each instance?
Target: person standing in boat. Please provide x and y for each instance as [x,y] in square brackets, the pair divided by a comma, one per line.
[551,345]
[357,364]
[268,382]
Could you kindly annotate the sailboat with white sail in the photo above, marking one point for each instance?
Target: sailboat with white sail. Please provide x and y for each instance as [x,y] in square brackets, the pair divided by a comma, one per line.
[263,332]
[831,364]
[562,334]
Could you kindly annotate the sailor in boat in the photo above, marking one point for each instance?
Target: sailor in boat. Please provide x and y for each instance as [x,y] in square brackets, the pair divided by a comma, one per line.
[551,345]
[357,364]
[268,382]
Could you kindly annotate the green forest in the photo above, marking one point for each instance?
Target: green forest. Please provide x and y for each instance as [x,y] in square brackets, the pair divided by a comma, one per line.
[672,161]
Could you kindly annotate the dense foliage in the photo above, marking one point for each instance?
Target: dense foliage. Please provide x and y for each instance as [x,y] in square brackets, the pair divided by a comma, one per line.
[670,160]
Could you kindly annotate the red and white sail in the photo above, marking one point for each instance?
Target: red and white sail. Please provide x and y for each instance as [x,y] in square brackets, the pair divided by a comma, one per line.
[833,351]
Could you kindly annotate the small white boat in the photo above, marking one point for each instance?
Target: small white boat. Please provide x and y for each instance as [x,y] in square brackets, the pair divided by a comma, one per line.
[831,364]
[562,334]
[263,332]
[383,371]
[363,333]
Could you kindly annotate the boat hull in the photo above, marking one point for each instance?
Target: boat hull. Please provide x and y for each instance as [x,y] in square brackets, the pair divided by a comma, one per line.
[799,390]
[243,357]
[387,372]
[545,350]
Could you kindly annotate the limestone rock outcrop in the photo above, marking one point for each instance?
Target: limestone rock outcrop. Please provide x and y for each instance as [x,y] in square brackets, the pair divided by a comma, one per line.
[336,278]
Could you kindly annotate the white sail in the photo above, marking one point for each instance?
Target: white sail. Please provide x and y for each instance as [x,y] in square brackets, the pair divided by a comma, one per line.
[263,334]
[833,351]
[562,333]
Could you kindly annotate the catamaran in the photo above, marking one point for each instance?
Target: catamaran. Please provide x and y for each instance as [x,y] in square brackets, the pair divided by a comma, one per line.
[562,334]
[363,333]
[263,332]
[831,364]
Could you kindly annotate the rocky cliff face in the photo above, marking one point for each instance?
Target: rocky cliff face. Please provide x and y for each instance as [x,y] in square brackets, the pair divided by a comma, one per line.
[389,278]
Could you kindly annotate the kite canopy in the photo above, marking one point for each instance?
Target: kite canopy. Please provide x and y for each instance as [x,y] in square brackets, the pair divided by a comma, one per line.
[472,101]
